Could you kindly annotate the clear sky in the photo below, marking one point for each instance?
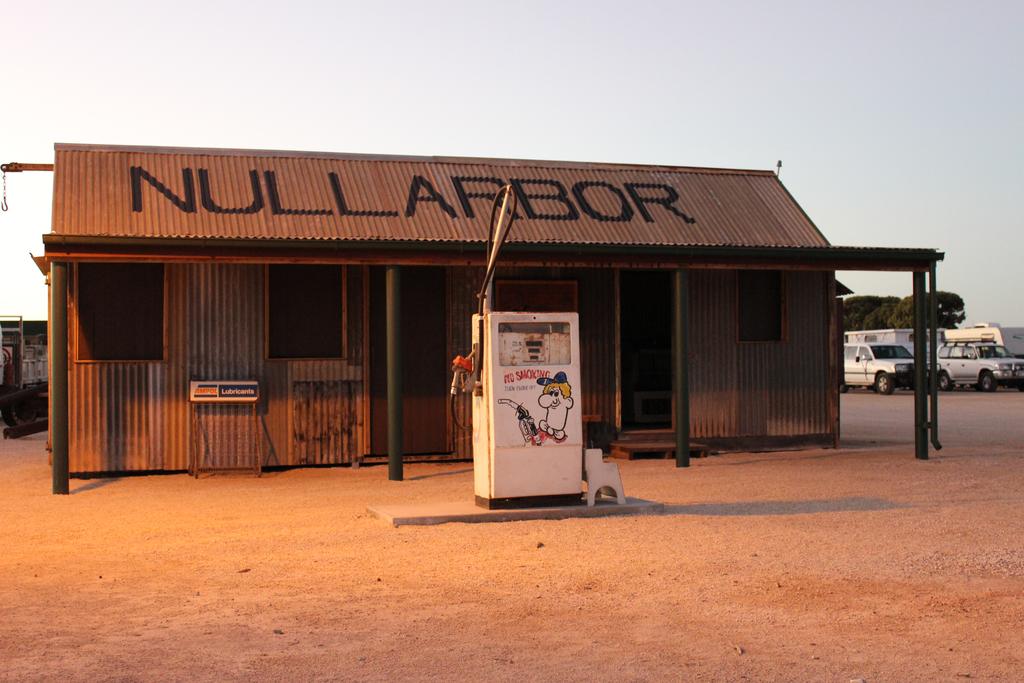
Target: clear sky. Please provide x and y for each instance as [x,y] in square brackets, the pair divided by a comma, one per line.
[898,123]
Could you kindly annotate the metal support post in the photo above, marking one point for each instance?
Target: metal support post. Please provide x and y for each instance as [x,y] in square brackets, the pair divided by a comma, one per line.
[59,375]
[933,356]
[393,283]
[680,353]
[920,377]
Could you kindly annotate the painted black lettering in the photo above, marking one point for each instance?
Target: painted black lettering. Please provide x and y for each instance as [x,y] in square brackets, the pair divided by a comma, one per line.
[343,207]
[560,196]
[667,199]
[579,191]
[459,182]
[420,184]
[188,204]
[275,201]
[206,197]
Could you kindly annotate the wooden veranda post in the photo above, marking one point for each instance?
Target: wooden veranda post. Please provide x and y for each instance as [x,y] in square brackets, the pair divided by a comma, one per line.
[59,375]
[393,295]
[681,384]
[933,358]
[920,375]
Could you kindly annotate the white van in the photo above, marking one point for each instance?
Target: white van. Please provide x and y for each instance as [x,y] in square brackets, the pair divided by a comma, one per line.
[902,336]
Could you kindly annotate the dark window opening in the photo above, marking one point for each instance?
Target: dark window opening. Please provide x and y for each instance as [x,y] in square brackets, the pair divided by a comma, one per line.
[120,311]
[305,311]
[760,305]
[541,296]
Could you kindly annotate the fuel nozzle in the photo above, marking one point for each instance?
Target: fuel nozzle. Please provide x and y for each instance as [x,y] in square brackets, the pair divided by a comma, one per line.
[462,367]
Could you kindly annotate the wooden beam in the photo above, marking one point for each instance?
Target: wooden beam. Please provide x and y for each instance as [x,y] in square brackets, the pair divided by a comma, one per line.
[17,167]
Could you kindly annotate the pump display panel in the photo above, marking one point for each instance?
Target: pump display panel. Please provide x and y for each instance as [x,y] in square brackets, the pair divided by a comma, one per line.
[534,344]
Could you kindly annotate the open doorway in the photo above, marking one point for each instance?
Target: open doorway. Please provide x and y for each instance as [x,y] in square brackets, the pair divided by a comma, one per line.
[646,346]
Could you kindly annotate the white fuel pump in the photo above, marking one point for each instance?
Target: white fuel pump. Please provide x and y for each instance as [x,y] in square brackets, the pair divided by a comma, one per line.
[524,374]
[527,423]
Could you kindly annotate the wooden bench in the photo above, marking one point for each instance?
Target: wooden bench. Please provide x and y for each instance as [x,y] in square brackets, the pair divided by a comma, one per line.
[656,449]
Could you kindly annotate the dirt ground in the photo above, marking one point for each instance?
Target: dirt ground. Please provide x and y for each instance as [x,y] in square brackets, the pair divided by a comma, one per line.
[817,565]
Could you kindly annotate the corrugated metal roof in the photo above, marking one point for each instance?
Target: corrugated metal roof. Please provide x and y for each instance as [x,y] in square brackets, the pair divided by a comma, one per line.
[104,191]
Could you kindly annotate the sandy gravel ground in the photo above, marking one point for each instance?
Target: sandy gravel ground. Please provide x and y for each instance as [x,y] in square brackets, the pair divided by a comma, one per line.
[817,565]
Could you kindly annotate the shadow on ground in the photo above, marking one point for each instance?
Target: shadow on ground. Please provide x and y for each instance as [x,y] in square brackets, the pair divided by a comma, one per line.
[95,484]
[782,507]
[438,474]
[860,444]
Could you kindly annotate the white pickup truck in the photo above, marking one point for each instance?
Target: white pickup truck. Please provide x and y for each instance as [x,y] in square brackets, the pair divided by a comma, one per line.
[882,367]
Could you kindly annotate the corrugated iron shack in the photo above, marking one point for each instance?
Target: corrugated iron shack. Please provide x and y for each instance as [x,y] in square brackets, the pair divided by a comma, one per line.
[176,265]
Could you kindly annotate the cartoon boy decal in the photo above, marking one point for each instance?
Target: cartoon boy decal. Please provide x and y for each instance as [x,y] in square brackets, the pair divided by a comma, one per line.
[556,398]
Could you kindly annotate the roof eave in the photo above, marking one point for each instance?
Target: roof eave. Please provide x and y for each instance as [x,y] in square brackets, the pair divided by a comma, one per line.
[833,257]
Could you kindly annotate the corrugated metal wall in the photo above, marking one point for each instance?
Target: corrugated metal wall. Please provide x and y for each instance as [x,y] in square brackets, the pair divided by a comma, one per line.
[764,388]
[324,420]
[736,389]
[462,285]
[135,415]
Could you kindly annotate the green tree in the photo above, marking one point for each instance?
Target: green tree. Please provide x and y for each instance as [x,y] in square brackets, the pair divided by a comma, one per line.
[856,310]
[950,314]
[881,318]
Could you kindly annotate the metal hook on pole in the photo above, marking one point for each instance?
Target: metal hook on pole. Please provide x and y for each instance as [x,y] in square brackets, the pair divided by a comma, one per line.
[17,167]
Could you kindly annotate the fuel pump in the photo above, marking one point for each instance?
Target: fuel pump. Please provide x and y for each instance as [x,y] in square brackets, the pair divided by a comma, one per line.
[527,421]
[524,377]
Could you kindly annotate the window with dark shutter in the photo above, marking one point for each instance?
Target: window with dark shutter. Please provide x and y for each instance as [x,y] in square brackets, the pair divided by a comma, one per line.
[760,306]
[120,311]
[536,296]
[305,311]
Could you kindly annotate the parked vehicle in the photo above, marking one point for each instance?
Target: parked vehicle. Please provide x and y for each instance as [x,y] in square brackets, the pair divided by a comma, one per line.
[902,336]
[883,367]
[1010,337]
[23,375]
[985,365]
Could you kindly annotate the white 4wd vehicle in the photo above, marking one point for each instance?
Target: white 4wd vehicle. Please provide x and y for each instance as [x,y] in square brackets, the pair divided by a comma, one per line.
[883,367]
[985,365]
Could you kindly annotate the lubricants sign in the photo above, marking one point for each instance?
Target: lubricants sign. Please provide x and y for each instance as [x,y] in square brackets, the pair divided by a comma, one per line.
[228,391]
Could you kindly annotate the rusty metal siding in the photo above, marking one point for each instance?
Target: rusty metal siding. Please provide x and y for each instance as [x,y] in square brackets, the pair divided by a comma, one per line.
[714,409]
[598,350]
[325,425]
[224,319]
[113,423]
[136,416]
[92,196]
[174,453]
[461,285]
[766,388]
